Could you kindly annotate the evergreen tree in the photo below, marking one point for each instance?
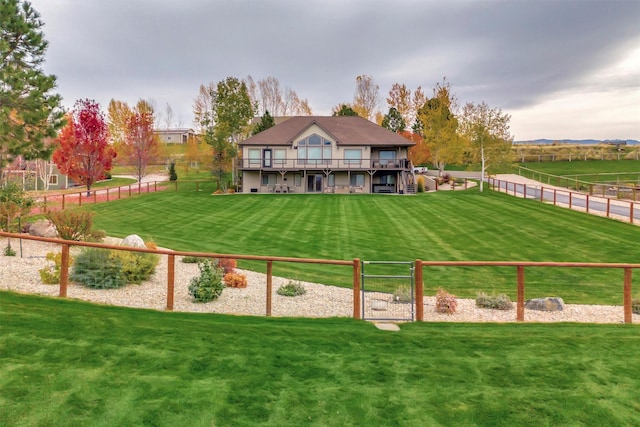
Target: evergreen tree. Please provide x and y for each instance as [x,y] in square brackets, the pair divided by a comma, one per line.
[173,176]
[344,110]
[394,121]
[265,123]
[29,112]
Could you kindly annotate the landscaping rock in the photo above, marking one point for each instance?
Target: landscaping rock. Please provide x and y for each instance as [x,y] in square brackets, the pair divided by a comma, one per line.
[43,228]
[134,241]
[545,304]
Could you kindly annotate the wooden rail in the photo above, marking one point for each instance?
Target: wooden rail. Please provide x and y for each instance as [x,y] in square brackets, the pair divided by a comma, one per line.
[354,264]
[514,188]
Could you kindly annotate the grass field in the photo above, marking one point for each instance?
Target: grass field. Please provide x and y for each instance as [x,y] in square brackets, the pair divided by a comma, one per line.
[72,363]
[590,170]
[435,226]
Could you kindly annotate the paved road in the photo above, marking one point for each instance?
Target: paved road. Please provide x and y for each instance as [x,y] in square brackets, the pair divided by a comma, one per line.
[624,210]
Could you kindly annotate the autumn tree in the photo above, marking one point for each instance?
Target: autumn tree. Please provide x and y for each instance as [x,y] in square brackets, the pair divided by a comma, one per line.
[266,122]
[141,146]
[394,121]
[118,112]
[488,134]
[204,107]
[419,153]
[30,111]
[343,110]
[400,98]
[438,126]
[83,151]
[197,152]
[366,97]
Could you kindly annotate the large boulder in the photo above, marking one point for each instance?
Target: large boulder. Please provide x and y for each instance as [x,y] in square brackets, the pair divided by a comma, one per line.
[545,304]
[43,228]
[133,241]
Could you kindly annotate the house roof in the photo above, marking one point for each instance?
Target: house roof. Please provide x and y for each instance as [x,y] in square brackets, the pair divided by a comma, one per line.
[346,130]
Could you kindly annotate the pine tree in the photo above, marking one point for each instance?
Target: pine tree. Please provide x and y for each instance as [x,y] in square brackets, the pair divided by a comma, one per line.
[30,112]
[173,176]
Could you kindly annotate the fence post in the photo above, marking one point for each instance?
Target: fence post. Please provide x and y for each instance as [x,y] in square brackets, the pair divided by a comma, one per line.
[628,310]
[80,199]
[62,201]
[147,187]
[171,265]
[419,292]
[119,192]
[608,206]
[541,194]
[107,194]
[631,212]
[520,301]
[570,199]
[587,203]
[64,270]
[356,289]
[155,185]
[95,195]
[525,191]
[269,286]
[129,190]
[555,196]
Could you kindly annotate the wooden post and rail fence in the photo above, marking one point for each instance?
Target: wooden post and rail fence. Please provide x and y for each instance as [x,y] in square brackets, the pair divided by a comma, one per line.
[355,266]
[550,194]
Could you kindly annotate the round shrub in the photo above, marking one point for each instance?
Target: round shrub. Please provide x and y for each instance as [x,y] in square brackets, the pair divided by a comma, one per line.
[208,285]
[96,268]
[291,289]
[497,302]
[235,280]
[136,266]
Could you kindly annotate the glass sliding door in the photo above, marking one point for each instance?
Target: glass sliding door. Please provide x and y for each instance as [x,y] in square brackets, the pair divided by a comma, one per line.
[314,183]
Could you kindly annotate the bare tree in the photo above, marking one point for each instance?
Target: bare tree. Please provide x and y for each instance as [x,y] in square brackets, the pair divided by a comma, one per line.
[203,107]
[366,97]
[169,117]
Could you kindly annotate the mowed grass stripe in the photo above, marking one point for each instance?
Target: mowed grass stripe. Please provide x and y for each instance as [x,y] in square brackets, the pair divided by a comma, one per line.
[436,226]
[72,363]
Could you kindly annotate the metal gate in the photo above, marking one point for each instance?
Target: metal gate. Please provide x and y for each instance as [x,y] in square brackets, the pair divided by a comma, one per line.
[387,290]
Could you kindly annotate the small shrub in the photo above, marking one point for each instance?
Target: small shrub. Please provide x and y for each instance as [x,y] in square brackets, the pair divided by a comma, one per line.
[292,289]
[403,294]
[421,184]
[173,176]
[635,305]
[228,265]
[208,285]
[497,302]
[150,244]
[50,273]
[192,259]
[9,251]
[72,224]
[235,280]
[136,267]
[96,236]
[446,302]
[96,268]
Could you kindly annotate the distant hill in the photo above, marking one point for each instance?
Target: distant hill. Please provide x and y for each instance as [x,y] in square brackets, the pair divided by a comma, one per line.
[577,141]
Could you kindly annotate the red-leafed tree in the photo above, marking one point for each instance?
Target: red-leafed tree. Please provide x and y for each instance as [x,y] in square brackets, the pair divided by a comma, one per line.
[419,154]
[140,145]
[83,151]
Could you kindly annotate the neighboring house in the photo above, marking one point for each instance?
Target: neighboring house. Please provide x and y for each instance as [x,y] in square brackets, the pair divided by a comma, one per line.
[25,173]
[314,154]
[175,136]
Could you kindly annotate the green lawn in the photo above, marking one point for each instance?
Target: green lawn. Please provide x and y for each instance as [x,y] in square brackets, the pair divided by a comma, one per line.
[590,171]
[72,363]
[435,226]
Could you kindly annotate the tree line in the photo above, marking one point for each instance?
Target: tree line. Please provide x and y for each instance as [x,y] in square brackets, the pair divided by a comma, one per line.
[84,142]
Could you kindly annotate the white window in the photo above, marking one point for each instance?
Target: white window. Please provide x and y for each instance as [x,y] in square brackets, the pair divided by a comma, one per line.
[254,157]
[352,156]
[279,156]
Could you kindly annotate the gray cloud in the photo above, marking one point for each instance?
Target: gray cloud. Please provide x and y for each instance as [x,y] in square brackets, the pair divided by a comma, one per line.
[511,54]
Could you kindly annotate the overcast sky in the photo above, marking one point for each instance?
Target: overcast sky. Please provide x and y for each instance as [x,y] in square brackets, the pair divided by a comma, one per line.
[561,69]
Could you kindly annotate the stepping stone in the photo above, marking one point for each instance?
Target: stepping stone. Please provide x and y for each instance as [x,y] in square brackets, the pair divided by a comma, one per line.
[386,326]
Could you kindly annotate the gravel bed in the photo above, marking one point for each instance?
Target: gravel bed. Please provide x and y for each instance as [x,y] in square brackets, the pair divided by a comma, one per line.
[20,274]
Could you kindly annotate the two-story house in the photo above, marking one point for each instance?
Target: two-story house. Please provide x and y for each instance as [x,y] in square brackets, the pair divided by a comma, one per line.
[317,154]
